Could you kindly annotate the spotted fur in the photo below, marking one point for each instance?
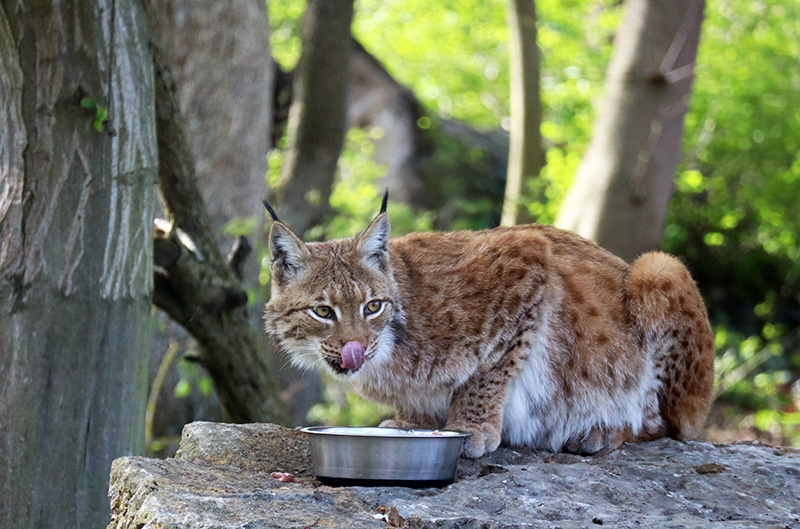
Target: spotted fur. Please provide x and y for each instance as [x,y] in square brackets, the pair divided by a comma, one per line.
[528,335]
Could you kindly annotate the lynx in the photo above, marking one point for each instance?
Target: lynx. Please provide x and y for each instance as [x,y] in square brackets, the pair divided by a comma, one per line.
[530,335]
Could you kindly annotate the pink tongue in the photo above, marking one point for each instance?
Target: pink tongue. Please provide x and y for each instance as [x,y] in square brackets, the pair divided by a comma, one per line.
[352,355]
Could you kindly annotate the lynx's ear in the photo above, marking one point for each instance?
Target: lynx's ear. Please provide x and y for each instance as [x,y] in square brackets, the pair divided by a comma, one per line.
[374,243]
[289,254]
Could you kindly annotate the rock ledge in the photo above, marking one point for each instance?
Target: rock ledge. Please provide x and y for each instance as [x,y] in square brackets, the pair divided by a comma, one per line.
[221,479]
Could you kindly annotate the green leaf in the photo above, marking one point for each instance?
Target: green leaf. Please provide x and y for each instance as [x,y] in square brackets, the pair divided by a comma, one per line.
[182,389]
[206,386]
[99,118]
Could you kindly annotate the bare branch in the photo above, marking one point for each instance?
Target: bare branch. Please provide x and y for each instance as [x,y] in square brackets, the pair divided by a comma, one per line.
[240,250]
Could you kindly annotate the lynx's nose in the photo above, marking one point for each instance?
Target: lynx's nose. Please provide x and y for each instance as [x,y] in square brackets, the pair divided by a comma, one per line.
[352,355]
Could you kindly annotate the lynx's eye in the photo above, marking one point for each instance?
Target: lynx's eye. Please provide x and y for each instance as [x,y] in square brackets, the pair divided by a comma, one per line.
[373,307]
[323,311]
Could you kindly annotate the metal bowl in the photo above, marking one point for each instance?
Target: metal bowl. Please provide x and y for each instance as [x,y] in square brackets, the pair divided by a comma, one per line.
[384,456]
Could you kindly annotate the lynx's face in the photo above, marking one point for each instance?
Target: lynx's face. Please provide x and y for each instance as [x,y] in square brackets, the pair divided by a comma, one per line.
[334,305]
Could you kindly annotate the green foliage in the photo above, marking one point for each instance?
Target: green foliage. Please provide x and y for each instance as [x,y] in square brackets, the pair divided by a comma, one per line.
[343,407]
[101,113]
[415,38]
[757,374]
[736,213]
[240,226]
[735,216]
[284,18]
[192,377]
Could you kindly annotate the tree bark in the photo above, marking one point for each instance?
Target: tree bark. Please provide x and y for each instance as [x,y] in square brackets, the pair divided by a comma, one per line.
[76,208]
[318,115]
[219,57]
[195,285]
[625,181]
[526,157]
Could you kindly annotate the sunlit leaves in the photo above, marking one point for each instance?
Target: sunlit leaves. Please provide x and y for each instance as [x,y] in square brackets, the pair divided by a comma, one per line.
[452,53]
[284,18]
[741,143]
[355,198]
[101,112]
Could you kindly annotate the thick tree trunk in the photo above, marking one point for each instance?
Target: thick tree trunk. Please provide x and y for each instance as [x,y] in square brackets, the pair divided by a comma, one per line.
[525,158]
[318,116]
[219,56]
[76,208]
[625,181]
[195,285]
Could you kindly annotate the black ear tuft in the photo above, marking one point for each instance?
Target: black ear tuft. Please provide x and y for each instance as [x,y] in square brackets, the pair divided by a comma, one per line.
[271,211]
[385,200]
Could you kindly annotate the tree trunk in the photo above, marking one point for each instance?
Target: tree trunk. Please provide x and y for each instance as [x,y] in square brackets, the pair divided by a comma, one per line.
[625,181]
[219,56]
[318,116]
[525,158]
[76,208]
[316,130]
[195,285]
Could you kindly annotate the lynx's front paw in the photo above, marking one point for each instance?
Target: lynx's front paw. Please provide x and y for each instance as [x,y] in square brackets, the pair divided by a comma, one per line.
[397,423]
[414,424]
[483,438]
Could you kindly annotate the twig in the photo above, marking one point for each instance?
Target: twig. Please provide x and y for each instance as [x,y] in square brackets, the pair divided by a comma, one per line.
[158,381]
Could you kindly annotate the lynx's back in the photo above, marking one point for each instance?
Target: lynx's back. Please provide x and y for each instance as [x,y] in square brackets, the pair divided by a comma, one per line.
[530,334]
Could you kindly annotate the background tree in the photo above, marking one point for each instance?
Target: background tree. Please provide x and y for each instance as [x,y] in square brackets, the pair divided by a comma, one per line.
[526,155]
[317,123]
[624,184]
[224,74]
[317,118]
[76,209]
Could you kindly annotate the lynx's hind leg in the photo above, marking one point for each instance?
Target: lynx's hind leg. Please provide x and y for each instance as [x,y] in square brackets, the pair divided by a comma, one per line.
[599,438]
[673,324]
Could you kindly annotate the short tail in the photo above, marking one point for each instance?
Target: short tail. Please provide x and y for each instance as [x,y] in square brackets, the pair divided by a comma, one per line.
[670,315]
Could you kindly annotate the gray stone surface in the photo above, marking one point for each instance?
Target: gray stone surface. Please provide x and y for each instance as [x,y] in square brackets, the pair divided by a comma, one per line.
[221,479]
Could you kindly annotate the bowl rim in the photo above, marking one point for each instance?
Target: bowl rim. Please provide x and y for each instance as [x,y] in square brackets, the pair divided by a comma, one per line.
[359,431]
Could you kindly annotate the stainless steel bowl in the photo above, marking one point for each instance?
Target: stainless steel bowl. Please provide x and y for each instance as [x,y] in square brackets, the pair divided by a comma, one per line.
[384,456]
